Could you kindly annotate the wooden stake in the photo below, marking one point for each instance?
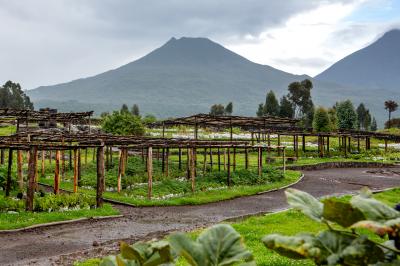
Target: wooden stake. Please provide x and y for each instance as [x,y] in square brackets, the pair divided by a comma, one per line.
[100,176]
[31,178]
[180,158]
[57,174]
[150,172]
[204,161]
[211,160]
[246,158]
[8,183]
[19,170]
[259,166]
[120,166]
[75,170]
[219,159]
[229,168]
[1,156]
[167,162]
[192,172]
[43,162]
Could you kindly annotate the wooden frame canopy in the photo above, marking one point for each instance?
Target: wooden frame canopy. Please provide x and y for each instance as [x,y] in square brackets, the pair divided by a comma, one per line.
[35,116]
[228,121]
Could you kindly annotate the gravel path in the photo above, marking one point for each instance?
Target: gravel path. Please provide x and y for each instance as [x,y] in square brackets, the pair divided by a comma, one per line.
[60,245]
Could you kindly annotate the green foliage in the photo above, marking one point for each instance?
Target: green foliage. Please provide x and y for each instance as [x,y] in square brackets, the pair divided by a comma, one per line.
[271,106]
[300,97]
[12,96]
[391,106]
[374,126]
[321,121]
[61,202]
[141,254]
[217,110]
[124,109]
[135,110]
[344,247]
[364,117]
[218,245]
[286,108]
[11,204]
[260,110]
[347,116]
[123,123]
[332,118]
[3,178]
[148,119]
[229,108]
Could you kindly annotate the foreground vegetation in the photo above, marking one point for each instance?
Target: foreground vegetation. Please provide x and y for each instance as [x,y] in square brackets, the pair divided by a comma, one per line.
[289,223]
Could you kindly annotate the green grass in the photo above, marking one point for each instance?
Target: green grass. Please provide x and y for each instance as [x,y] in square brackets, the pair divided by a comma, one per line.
[7,130]
[288,222]
[24,219]
[199,197]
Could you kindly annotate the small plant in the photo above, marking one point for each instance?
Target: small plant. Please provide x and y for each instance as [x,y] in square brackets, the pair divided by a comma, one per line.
[342,246]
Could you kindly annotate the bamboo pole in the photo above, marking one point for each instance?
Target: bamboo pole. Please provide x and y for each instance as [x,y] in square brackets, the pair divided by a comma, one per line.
[150,172]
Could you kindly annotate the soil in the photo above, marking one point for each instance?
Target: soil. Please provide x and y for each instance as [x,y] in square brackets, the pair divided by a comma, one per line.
[63,244]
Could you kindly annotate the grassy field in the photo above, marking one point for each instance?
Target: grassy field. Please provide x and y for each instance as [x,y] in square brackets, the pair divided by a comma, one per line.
[24,219]
[7,130]
[288,222]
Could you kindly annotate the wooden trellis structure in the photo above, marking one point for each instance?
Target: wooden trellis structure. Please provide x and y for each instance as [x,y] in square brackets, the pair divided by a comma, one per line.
[261,129]
[61,142]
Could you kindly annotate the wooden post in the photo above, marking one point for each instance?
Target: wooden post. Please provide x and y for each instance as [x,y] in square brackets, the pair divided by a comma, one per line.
[192,170]
[358,145]
[180,158]
[8,183]
[79,168]
[219,159]
[163,161]
[279,144]
[57,173]
[19,170]
[50,157]
[63,164]
[167,162]
[259,166]
[386,145]
[75,170]
[229,168]
[1,156]
[149,172]
[204,161]
[120,166]
[31,178]
[303,146]
[297,146]
[284,160]
[43,162]
[86,156]
[246,158]
[344,142]
[211,160]
[327,146]
[224,159]
[234,159]
[349,144]
[100,175]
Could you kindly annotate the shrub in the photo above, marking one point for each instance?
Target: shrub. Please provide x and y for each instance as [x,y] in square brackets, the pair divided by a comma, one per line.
[123,123]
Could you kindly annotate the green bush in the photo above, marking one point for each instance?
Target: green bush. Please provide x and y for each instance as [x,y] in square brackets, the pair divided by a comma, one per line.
[61,202]
[123,123]
[11,204]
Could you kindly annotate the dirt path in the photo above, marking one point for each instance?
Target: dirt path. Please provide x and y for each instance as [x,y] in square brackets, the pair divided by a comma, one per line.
[65,243]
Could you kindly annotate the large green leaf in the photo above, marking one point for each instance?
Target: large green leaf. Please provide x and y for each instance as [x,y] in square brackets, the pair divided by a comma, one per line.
[341,212]
[378,228]
[334,244]
[374,210]
[223,245]
[192,251]
[362,251]
[304,202]
[219,245]
[300,246]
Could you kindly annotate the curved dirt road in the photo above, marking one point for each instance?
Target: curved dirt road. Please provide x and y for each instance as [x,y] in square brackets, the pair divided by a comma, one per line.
[62,244]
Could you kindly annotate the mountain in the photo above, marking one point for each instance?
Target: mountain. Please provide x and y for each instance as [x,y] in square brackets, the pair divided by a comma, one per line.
[188,75]
[374,67]
[184,76]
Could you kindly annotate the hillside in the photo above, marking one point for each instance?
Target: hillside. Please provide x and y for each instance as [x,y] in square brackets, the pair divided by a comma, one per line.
[376,66]
[188,75]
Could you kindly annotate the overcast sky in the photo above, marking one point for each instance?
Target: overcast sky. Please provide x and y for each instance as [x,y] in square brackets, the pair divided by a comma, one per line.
[46,42]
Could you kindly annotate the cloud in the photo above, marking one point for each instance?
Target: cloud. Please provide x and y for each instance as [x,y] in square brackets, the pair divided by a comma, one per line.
[46,41]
